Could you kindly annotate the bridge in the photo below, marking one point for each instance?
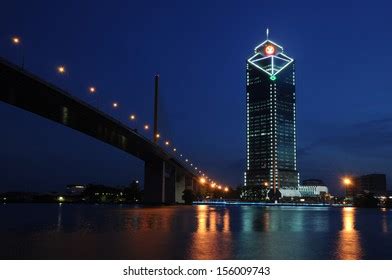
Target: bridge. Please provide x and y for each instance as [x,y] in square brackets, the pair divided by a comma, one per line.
[165,177]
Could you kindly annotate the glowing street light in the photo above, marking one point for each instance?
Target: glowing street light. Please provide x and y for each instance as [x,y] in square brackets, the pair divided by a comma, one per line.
[202,180]
[213,185]
[132,117]
[61,69]
[146,127]
[167,143]
[174,149]
[226,189]
[158,136]
[115,105]
[347,182]
[219,187]
[92,90]
[15,40]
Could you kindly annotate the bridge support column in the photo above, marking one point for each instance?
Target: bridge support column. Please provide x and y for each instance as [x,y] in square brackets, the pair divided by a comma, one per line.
[159,182]
[180,186]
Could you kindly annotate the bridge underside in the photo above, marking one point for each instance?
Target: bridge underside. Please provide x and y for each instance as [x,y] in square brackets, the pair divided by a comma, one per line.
[165,177]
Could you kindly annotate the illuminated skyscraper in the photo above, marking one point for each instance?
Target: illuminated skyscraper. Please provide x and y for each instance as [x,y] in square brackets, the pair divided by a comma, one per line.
[270,120]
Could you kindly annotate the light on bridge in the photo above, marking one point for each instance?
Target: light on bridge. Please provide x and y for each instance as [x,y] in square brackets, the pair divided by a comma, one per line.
[92,90]
[15,40]
[146,127]
[167,143]
[202,180]
[132,117]
[226,189]
[61,69]
[174,149]
[115,105]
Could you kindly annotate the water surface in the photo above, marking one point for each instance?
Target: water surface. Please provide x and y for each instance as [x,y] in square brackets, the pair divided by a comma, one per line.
[71,231]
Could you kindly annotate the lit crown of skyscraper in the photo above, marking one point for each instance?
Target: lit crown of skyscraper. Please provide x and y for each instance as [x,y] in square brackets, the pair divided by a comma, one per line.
[269,57]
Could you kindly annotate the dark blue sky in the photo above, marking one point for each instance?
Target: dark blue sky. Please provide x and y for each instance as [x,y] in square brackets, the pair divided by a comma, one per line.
[344,89]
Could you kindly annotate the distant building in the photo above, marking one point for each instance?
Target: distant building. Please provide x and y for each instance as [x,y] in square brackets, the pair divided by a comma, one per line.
[271,163]
[309,188]
[76,189]
[290,192]
[371,183]
[313,188]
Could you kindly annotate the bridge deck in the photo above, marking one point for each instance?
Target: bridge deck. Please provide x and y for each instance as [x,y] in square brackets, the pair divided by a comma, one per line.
[26,91]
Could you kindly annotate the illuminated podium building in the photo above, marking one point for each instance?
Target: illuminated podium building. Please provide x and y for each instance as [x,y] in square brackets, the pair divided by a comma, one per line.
[270,121]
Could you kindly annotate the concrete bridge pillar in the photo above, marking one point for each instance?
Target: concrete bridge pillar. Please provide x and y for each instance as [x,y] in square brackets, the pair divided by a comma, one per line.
[180,185]
[159,182]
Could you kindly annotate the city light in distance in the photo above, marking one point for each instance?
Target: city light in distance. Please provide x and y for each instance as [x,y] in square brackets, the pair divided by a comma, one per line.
[226,189]
[219,187]
[167,143]
[61,69]
[202,180]
[60,198]
[146,127]
[174,149]
[132,117]
[158,135]
[115,105]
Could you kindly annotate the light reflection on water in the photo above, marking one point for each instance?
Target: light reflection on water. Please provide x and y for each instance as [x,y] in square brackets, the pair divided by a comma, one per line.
[64,231]
[349,244]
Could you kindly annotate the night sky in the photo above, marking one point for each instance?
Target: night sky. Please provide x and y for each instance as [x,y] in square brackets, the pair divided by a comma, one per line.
[344,90]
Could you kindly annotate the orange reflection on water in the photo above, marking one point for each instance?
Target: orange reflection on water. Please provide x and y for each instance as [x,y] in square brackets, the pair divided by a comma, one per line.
[212,237]
[349,245]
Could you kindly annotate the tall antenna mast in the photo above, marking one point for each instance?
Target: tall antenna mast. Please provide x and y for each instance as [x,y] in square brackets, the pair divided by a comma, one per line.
[156,136]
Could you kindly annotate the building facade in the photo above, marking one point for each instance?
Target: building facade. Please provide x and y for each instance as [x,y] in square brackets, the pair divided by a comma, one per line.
[375,184]
[270,120]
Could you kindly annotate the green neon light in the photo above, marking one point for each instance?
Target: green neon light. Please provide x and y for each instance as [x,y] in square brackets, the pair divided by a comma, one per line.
[273,78]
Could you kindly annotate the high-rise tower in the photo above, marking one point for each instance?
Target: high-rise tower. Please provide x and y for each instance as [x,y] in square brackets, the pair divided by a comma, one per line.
[270,120]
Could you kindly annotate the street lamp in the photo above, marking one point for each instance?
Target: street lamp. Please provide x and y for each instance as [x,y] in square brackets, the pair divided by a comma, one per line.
[61,69]
[132,117]
[347,182]
[17,42]
[92,90]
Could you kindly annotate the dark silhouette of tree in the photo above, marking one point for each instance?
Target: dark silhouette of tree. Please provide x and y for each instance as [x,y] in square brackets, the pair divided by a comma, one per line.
[188,196]
[133,192]
[366,200]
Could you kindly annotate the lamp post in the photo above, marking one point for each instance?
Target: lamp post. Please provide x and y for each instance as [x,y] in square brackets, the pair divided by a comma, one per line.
[93,91]
[18,42]
[347,182]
